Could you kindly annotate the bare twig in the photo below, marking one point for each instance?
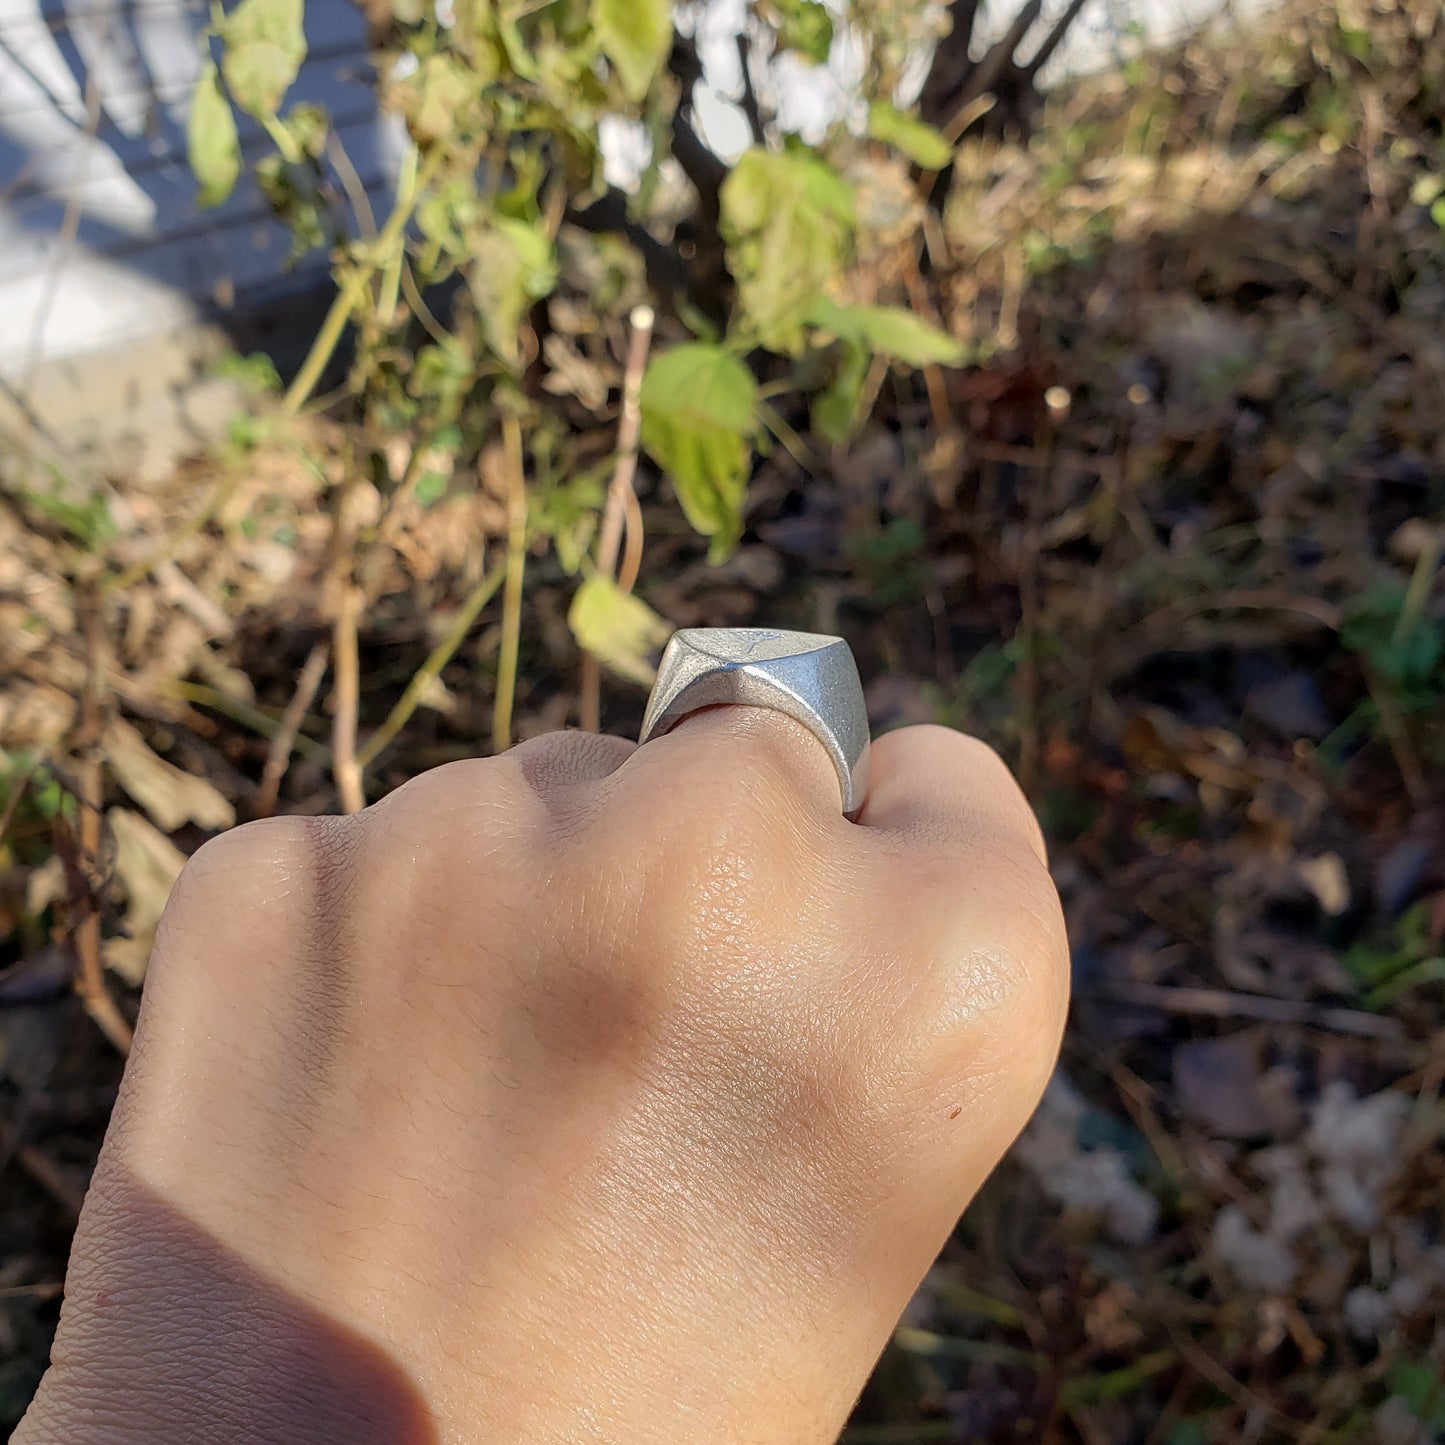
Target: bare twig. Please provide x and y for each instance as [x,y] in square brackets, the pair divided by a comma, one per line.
[1397,734]
[512,591]
[352,185]
[261,723]
[346,660]
[987,73]
[918,299]
[751,108]
[621,508]
[632,541]
[1221,1003]
[440,655]
[389,244]
[1044,53]
[278,756]
[67,1194]
[90,971]
[18,790]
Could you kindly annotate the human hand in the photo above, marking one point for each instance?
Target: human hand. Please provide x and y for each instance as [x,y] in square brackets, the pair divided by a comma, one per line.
[587,1093]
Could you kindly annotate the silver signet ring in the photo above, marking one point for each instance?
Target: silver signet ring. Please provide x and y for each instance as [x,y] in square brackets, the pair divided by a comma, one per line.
[808,676]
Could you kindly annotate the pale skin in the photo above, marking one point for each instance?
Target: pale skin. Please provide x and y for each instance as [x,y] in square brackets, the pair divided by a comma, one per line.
[588,1093]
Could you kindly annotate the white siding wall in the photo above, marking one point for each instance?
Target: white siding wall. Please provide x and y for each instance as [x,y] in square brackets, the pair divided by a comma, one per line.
[101,241]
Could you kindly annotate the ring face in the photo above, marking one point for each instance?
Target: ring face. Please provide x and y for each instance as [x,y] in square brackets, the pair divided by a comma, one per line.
[807,675]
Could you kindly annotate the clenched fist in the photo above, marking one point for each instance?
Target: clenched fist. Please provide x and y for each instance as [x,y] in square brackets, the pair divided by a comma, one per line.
[587,1093]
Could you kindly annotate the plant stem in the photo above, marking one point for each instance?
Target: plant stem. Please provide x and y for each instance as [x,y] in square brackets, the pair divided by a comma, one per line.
[1418,592]
[512,592]
[621,503]
[406,188]
[278,756]
[347,664]
[440,655]
[390,244]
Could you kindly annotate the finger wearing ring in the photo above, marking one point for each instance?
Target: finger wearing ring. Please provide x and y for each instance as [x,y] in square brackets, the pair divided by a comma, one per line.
[810,677]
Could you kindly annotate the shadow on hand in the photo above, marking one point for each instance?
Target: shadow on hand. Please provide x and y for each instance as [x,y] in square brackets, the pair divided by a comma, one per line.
[176,1339]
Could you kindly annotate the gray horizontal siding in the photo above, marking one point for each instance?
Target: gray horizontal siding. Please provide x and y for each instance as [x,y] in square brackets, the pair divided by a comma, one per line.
[142,256]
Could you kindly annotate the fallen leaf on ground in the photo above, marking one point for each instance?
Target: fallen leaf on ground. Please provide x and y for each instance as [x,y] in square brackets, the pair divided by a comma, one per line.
[171,797]
[147,865]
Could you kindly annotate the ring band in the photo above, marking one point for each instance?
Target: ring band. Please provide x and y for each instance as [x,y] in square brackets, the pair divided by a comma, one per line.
[810,677]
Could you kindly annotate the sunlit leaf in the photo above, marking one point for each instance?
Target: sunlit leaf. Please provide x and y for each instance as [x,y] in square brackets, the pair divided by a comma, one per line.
[806,28]
[635,36]
[699,413]
[512,266]
[212,146]
[788,221]
[440,99]
[835,408]
[265,44]
[891,331]
[618,629]
[921,143]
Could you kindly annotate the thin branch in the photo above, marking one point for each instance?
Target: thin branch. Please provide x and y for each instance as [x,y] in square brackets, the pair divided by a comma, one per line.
[512,592]
[440,655]
[1045,51]
[951,62]
[346,661]
[388,244]
[1221,1003]
[18,790]
[44,1172]
[632,555]
[621,508]
[420,309]
[706,172]
[351,183]
[261,723]
[986,74]
[628,429]
[90,970]
[278,756]
[751,108]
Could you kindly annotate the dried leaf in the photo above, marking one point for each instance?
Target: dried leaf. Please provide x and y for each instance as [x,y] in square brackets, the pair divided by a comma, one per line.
[171,797]
[147,865]
[619,630]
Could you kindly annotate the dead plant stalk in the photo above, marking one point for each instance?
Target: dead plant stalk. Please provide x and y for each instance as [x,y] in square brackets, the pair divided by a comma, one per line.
[621,509]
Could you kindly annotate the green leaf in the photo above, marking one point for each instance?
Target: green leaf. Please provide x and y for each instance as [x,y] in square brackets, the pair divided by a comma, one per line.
[265,45]
[440,98]
[920,142]
[212,146]
[889,330]
[835,409]
[699,413]
[806,28]
[1420,1388]
[618,629]
[788,222]
[512,265]
[635,36]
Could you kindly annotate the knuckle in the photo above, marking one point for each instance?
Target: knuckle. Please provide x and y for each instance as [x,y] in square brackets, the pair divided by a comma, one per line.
[258,880]
[230,863]
[468,798]
[997,929]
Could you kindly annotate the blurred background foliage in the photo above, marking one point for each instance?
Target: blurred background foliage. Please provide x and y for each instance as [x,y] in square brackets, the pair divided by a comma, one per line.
[1107,422]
